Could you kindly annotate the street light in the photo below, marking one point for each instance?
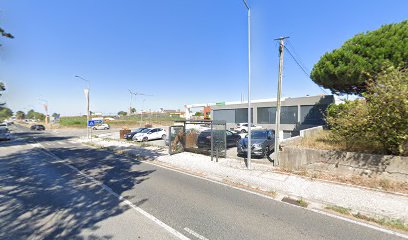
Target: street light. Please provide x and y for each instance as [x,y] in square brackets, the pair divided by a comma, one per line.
[249,85]
[86,92]
[141,113]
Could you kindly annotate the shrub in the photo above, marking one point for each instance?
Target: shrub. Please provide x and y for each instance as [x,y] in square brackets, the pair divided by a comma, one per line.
[379,119]
[387,106]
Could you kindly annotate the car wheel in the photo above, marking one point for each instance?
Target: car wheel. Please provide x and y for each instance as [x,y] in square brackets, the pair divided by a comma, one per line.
[164,137]
[106,128]
[94,128]
[267,152]
[243,131]
[145,139]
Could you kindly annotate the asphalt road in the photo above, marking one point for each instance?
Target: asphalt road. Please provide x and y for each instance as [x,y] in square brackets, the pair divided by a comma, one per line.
[194,207]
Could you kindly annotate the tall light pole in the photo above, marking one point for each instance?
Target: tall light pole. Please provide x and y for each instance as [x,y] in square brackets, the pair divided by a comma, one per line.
[86,92]
[249,146]
[131,98]
[141,112]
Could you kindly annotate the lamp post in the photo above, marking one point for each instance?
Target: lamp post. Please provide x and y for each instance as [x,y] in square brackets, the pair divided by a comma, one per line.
[249,145]
[86,92]
[141,113]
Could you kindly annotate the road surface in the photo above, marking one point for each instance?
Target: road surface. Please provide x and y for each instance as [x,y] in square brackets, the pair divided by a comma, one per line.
[43,196]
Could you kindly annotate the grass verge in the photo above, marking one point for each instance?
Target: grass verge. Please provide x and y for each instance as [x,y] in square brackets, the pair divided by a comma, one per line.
[396,224]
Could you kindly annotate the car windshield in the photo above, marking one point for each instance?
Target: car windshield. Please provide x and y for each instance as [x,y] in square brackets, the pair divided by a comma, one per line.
[259,134]
[145,130]
[139,130]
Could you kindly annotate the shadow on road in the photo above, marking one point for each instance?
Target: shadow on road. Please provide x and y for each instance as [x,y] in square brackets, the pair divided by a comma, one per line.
[44,199]
[23,138]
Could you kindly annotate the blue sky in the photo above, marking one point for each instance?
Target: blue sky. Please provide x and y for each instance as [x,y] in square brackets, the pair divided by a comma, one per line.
[180,51]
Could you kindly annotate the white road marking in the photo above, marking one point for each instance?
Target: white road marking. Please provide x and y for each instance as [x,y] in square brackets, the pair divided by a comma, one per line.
[218,181]
[109,190]
[201,237]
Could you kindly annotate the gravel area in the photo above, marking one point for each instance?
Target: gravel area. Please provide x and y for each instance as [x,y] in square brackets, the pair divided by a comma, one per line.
[265,177]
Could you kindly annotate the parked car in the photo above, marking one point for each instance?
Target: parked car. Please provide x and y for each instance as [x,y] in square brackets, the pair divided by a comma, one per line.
[37,127]
[129,136]
[243,127]
[102,126]
[150,134]
[262,142]
[4,133]
[204,139]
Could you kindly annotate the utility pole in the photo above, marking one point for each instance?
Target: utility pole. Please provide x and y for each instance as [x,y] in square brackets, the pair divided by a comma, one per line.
[278,99]
[249,145]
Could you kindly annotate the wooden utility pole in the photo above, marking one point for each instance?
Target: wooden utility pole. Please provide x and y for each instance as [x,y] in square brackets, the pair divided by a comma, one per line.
[278,99]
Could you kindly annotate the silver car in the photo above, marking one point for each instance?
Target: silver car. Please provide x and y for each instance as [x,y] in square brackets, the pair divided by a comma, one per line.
[4,133]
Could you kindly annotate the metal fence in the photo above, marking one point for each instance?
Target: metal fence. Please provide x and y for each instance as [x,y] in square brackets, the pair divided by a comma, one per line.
[199,136]
[218,139]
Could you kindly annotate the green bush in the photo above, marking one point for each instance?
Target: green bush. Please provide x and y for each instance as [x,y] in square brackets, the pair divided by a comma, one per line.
[379,120]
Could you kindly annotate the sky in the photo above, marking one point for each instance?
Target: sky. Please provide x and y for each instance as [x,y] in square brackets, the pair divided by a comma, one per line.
[180,51]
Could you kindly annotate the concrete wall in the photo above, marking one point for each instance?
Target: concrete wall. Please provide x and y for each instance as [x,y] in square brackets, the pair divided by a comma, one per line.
[345,163]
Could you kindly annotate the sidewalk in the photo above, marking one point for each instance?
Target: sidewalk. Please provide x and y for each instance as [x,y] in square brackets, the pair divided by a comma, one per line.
[265,177]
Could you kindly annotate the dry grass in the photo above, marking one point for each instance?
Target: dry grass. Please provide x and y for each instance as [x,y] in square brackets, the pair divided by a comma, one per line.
[325,140]
[338,209]
[302,203]
[375,183]
[397,224]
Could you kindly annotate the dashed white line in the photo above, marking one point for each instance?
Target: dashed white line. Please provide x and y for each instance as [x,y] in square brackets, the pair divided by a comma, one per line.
[195,234]
[109,190]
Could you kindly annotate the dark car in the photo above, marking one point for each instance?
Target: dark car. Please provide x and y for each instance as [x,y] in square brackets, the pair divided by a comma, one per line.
[37,127]
[262,142]
[129,136]
[204,139]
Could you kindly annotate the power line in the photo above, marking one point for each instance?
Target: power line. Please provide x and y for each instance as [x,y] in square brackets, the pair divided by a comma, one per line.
[302,67]
[297,62]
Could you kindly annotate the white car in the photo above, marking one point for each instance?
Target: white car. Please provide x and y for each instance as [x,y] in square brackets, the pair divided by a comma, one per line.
[150,134]
[103,126]
[243,127]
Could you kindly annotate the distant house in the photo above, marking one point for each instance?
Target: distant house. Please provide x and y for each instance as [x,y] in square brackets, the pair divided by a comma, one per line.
[173,113]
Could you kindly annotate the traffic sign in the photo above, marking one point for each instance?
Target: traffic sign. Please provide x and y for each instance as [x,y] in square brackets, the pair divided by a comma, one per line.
[98,121]
[91,123]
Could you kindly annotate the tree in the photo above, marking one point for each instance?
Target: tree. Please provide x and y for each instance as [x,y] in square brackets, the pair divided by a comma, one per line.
[5,34]
[387,103]
[20,115]
[132,110]
[348,69]
[30,114]
[380,120]
[2,88]
[35,115]
[5,113]
[122,113]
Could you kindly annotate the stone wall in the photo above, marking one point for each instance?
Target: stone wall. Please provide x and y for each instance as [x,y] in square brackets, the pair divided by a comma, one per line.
[345,163]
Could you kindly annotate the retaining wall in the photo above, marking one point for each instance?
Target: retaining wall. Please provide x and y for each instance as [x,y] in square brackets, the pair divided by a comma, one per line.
[345,163]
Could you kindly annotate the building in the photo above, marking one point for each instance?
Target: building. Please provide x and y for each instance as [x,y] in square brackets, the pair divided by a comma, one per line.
[296,113]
